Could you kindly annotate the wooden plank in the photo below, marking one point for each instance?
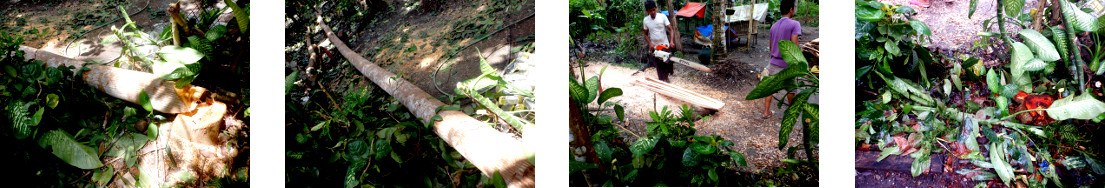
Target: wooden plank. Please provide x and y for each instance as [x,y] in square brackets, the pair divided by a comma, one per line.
[867,160]
[680,93]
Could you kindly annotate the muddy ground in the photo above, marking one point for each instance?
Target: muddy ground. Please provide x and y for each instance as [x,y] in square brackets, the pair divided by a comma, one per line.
[738,121]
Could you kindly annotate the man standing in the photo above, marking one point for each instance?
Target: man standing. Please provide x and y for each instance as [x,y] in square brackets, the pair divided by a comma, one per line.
[784,29]
[657,31]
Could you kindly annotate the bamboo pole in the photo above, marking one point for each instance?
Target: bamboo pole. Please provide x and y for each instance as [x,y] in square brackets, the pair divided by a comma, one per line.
[126,84]
[486,148]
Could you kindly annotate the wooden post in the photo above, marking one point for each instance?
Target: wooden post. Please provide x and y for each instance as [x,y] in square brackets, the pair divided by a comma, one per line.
[676,42]
[485,147]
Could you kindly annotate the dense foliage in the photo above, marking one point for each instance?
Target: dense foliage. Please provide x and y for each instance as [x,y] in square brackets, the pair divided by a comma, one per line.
[1023,121]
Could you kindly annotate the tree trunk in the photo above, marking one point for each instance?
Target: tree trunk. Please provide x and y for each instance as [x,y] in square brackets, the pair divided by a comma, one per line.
[485,147]
[676,42]
[126,84]
[718,50]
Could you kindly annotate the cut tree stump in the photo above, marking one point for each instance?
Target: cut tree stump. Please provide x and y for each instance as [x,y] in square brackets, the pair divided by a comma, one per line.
[679,93]
[485,147]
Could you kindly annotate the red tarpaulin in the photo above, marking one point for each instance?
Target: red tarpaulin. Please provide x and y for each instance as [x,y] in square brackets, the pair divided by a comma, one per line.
[692,9]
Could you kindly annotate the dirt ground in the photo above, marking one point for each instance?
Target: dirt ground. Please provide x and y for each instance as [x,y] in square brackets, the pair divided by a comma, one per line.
[426,32]
[738,121]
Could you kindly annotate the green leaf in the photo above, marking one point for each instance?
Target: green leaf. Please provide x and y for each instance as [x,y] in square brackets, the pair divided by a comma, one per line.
[592,85]
[919,26]
[52,100]
[357,150]
[19,116]
[1021,57]
[1081,21]
[887,152]
[609,93]
[971,12]
[790,117]
[738,157]
[997,158]
[151,131]
[703,148]
[992,81]
[1038,43]
[868,13]
[576,166]
[145,100]
[713,175]
[242,15]
[797,66]
[643,145]
[179,55]
[1060,38]
[620,111]
[216,32]
[289,81]
[71,151]
[577,92]
[604,151]
[1013,8]
[920,165]
[1083,107]
[690,158]
[1035,65]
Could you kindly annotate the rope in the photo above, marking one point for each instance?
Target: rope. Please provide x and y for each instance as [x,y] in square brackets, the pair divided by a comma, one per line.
[434,75]
[70,43]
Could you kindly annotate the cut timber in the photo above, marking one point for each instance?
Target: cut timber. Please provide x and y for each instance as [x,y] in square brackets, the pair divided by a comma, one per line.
[126,84]
[867,160]
[680,93]
[667,56]
[485,147]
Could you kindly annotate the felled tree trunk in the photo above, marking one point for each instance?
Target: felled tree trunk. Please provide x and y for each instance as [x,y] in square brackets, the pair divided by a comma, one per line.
[126,84]
[485,147]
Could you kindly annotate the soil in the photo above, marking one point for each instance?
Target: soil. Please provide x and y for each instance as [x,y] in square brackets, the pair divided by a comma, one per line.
[738,121]
[428,33]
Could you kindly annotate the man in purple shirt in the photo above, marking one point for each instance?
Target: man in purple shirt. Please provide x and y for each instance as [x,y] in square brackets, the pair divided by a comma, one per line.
[784,29]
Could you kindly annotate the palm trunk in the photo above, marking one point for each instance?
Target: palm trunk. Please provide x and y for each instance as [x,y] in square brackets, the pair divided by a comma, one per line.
[675,40]
[488,149]
[126,84]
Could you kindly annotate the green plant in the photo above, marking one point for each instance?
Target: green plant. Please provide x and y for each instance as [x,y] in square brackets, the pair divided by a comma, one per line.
[886,36]
[669,154]
[797,77]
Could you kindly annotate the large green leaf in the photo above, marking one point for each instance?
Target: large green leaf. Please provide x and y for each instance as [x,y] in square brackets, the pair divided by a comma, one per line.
[289,81]
[703,148]
[357,150]
[1035,65]
[1013,8]
[1081,21]
[71,151]
[796,66]
[19,115]
[643,145]
[790,117]
[738,157]
[869,13]
[242,15]
[609,93]
[1038,43]
[577,92]
[1061,42]
[971,12]
[180,55]
[690,158]
[997,158]
[1083,106]
[592,85]
[604,151]
[920,27]
[1021,56]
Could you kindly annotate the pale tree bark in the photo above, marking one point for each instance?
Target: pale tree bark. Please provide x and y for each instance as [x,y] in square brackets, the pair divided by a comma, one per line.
[485,147]
[126,84]
[718,51]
